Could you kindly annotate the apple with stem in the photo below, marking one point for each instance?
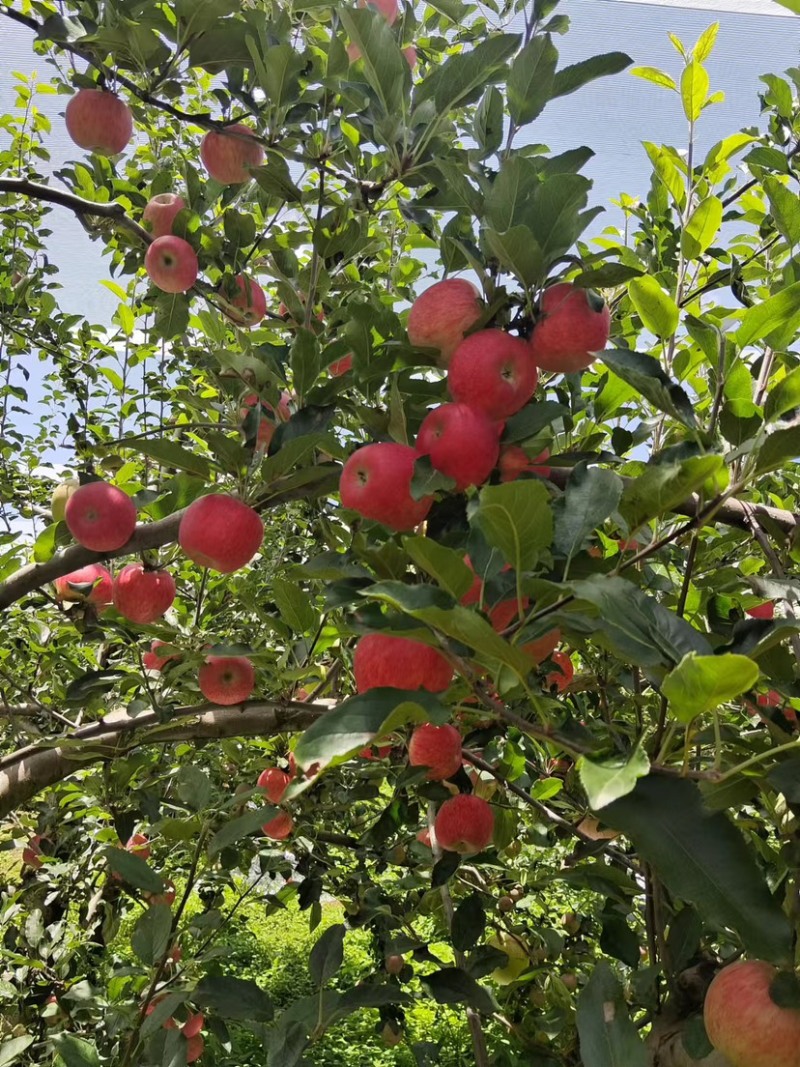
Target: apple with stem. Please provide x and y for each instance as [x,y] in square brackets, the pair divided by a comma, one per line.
[573,324]
[98,121]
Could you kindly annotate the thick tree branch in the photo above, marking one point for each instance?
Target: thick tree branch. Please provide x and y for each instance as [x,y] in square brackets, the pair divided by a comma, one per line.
[84,209]
[27,772]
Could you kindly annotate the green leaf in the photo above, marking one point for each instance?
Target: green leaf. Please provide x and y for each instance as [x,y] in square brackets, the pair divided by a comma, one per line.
[294,605]
[785,396]
[703,860]
[591,496]
[81,690]
[666,167]
[761,320]
[445,565]
[193,786]
[509,198]
[327,955]
[133,870]
[347,728]
[305,360]
[517,519]
[75,1052]
[657,310]
[234,998]
[792,5]
[454,986]
[151,934]
[462,78]
[701,227]
[556,215]
[12,1049]
[469,923]
[694,89]
[608,1037]
[634,626]
[612,779]
[274,177]
[487,125]
[530,80]
[385,67]
[785,207]
[785,777]
[701,683]
[242,826]
[518,251]
[661,486]
[780,446]
[168,454]
[705,43]
[577,75]
[647,377]
[657,77]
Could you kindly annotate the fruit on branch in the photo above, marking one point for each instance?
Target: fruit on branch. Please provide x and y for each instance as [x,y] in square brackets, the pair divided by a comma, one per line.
[543,647]
[461,442]
[379,752]
[220,532]
[61,494]
[152,661]
[465,824]
[32,853]
[505,904]
[280,827]
[268,417]
[573,325]
[560,678]
[193,1025]
[410,55]
[762,611]
[436,747]
[274,782]
[143,594]
[171,264]
[388,8]
[493,372]
[167,897]
[394,964]
[100,517]
[517,956]
[229,156]
[138,845]
[92,584]
[399,663]
[341,366]
[168,1024]
[391,1034]
[514,461]
[161,211]
[227,680]
[745,1024]
[247,304]
[194,1048]
[98,121]
[376,482]
[440,316]
[502,614]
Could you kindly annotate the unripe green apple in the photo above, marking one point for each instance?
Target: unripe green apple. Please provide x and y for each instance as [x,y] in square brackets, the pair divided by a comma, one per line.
[61,494]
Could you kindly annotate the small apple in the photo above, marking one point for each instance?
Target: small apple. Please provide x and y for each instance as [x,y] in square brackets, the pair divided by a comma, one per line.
[560,678]
[138,845]
[461,442]
[391,1034]
[341,366]
[569,980]
[572,326]
[543,647]
[167,897]
[92,585]
[762,611]
[493,372]
[506,904]
[399,663]
[220,532]
[98,121]
[388,8]
[410,55]
[514,461]
[171,264]
[436,747]
[394,964]
[100,517]
[518,959]
[194,1048]
[376,482]
[32,853]
[280,827]
[152,661]
[227,680]
[161,211]
[465,824]
[229,156]
[246,297]
[440,316]
[61,494]
[274,782]
[424,837]
[193,1025]
[504,612]
[143,594]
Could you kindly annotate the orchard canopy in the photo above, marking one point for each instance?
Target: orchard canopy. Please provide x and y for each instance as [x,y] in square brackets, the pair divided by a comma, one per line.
[409,561]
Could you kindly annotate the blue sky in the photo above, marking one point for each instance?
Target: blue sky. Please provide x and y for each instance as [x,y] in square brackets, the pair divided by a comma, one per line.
[612,116]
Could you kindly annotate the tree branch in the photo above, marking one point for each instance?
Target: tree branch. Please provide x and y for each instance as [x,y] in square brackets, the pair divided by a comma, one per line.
[81,207]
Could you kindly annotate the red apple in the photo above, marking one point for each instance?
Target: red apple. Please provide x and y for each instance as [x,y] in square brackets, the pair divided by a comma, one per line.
[268,417]
[32,853]
[341,366]
[762,611]
[543,647]
[142,594]
[492,372]
[376,482]
[280,827]
[138,845]
[465,824]
[193,1025]
[504,612]
[152,661]
[379,752]
[247,298]
[410,54]
[220,532]
[92,584]
[514,461]
[461,442]
[161,212]
[572,326]
[440,316]
[400,663]
[394,964]
[100,517]
[743,1022]
[436,747]
[167,897]
[560,678]
[194,1048]
[227,680]
[388,8]
[171,264]
[229,156]
[424,837]
[99,121]
[168,1024]
[274,782]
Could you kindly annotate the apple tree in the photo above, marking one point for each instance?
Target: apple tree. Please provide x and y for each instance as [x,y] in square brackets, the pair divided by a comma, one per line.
[405,539]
